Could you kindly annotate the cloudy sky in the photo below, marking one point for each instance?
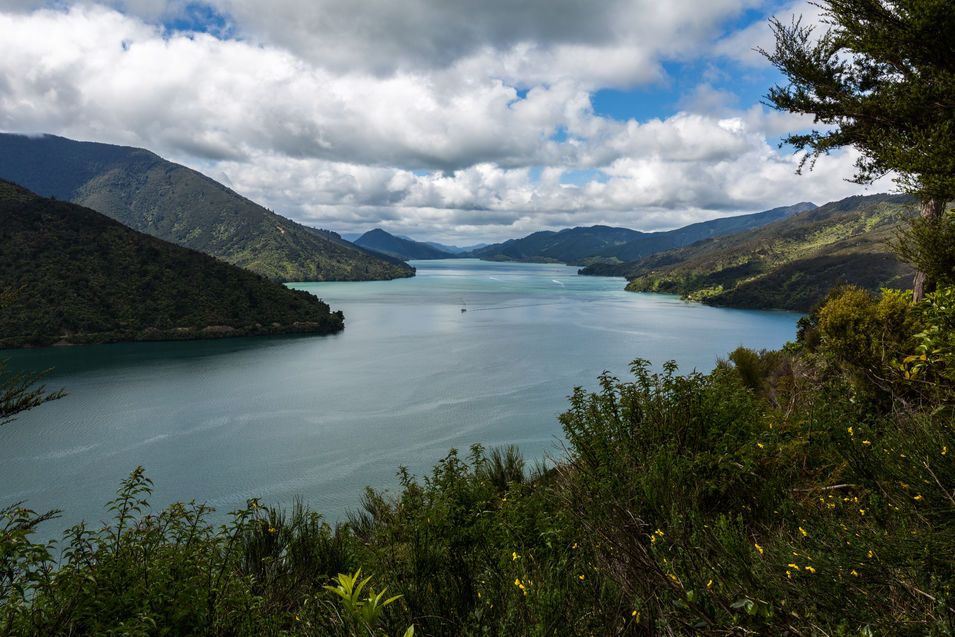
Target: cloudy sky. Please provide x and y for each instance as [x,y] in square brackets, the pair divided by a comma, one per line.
[451,120]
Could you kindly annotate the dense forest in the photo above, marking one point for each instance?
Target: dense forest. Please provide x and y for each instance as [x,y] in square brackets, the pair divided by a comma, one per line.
[71,275]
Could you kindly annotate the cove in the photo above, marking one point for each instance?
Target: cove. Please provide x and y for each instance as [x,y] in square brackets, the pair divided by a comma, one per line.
[322,417]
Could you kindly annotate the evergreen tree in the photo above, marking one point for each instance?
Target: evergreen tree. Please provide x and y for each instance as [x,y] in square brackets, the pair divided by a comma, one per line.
[881,78]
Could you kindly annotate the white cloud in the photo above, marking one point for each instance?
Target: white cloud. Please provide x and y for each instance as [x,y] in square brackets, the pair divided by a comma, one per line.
[409,115]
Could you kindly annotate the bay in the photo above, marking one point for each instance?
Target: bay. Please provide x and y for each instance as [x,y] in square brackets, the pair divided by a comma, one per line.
[322,417]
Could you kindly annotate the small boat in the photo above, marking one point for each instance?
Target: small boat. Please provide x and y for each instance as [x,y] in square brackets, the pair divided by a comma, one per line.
[464,307]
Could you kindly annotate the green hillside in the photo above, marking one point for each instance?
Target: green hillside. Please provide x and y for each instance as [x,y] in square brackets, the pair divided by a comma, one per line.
[71,275]
[175,203]
[790,264]
[603,244]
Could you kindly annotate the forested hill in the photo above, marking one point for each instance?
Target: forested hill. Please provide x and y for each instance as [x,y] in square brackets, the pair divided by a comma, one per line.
[790,264]
[401,248]
[596,244]
[71,275]
[178,204]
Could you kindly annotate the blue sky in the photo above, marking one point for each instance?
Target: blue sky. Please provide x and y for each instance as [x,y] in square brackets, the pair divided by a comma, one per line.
[444,120]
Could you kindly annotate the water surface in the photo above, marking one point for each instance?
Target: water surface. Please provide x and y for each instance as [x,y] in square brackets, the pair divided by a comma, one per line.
[321,417]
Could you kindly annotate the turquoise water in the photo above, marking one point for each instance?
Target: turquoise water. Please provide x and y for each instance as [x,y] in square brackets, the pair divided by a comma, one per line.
[321,417]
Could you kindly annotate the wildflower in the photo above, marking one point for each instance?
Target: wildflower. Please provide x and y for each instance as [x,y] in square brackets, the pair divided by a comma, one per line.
[515,556]
[854,573]
[851,432]
[297,618]
[918,498]
[517,581]
[574,547]
[810,569]
[803,531]
[674,578]
[904,485]
[709,585]
[636,616]
[789,574]
[758,548]
[581,577]
[793,566]
[866,443]
[658,533]
[760,445]
[944,450]
[272,530]
[861,511]
[870,554]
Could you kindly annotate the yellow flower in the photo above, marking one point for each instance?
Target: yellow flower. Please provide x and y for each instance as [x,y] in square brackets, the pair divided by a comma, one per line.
[517,582]
[272,530]
[789,574]
[658,532]
[861,511]
[581,577]
[851,432]
[793,566]
[479,594]
[709,585]
[803,531]
[918,498]
[760,445]
[944,450]
[574,546]
[636,616]
[854,573]
[758,548]
[674,578]
[515,556]
[810,569]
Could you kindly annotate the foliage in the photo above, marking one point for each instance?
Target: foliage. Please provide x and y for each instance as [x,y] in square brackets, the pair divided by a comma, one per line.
[19,392]
[879,79]
[780,494]
[80,277]
[174,203]
[930,246]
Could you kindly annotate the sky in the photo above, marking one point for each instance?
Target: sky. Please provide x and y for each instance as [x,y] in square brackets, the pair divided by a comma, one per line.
[459,121]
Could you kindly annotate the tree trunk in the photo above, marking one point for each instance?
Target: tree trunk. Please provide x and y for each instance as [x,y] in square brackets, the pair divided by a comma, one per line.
[932,209]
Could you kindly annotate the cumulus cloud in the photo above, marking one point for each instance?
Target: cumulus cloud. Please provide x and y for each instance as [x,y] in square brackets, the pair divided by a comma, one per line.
[443,119]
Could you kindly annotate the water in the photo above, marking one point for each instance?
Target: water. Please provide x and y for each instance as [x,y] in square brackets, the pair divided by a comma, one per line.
[322,417]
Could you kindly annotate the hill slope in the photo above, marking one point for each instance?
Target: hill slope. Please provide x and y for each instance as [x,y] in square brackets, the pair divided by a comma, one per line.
[178,204]
[580,246]
[69,274]
[790,264]
[398,247]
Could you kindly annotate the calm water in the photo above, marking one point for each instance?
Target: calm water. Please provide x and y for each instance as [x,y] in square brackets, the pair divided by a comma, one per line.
[321,417]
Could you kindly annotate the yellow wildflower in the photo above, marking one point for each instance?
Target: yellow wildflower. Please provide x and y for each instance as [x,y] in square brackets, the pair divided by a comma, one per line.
[789,574]
[758,548]
[581,577]
[793,566]
[658,533]
[515,556]
[851,432]
[574,546]
[944,450]
[636,616]
[272,530]
[861,511]
[854,573]
[810,569]
[760,445]
[803,531]
[866,443]
[918,498]
[709,585]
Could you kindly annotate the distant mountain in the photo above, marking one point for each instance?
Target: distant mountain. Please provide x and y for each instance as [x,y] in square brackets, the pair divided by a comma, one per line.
[595,244]
[790,264]
[457,249]
[175,203]
[71,275]
[399,247]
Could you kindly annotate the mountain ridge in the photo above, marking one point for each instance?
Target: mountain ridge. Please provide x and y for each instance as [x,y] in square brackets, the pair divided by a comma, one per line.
[399,247]
[172,202]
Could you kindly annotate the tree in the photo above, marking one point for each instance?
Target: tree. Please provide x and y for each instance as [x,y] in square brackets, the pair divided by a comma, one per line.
[19,391]
[881,78]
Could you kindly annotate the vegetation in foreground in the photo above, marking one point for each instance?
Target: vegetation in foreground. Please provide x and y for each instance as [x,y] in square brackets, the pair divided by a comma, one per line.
[808,491]
[71,275]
